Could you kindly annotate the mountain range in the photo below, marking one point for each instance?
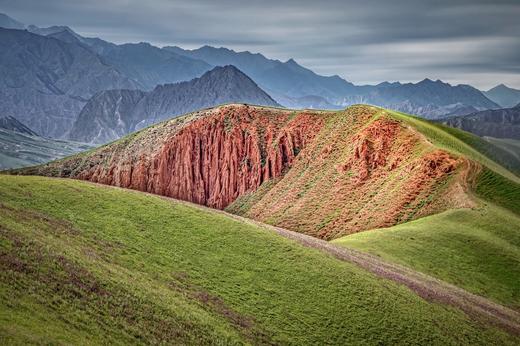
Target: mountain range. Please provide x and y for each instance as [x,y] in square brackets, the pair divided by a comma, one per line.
[45,82]
[20,146]
[500,123]
[112,114]
[504,96]
[67,69]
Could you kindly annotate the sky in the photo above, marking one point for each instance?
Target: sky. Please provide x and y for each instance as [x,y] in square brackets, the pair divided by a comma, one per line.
[473,42]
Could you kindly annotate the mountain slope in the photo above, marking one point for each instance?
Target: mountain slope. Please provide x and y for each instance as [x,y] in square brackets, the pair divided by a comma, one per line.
[111,266]
[103,120]
[430,99]
[500,123]
[504,96]
[24,149]
[106,116]
[279,79]
[11,124]
[288,83]
[478,249]
[325,174]
[10,23]
[45,81]
[150,66]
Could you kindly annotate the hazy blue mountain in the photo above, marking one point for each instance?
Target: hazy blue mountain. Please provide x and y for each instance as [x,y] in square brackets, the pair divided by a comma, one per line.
[292,85]
[499,123]
[310,102]
[12,124]
[430,99]
[279,79]
[10,23]
[106,116]
[44,82]
[21,149]
[110,115]
[144,63]
[150,66]
[504,96]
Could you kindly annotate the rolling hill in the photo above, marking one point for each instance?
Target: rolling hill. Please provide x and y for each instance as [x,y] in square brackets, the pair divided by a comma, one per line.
[322,173]
[86,264]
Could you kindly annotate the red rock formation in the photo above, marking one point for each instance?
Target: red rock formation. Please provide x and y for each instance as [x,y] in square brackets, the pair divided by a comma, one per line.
[215,159]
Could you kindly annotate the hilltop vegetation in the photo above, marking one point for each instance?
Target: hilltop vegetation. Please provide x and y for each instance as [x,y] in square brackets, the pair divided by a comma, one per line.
[90,264]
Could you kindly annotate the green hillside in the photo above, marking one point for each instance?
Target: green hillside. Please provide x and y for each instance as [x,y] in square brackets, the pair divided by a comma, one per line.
[85,264]
[476,248]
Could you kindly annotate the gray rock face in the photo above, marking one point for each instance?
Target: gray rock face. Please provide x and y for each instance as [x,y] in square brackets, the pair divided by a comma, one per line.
[109,115]
[44,82]
[106,116]
[11,124]
[504,96]
[499,123]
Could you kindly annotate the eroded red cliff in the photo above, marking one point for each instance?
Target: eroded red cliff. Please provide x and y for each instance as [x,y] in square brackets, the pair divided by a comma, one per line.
[214,159]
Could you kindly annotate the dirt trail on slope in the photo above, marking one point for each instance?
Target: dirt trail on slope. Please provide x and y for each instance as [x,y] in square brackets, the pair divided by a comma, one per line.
[427,287]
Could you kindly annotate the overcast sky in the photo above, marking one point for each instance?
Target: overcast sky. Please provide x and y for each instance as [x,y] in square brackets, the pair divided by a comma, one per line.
[459,41]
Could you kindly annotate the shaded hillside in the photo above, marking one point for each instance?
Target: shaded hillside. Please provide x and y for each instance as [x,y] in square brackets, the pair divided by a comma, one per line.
[107,266]
[106,116]
[322,173]
[280,79]
[45,82]
[23,149]
[504,96]
[150,66]
[11,124]
[500,123]
[111,114]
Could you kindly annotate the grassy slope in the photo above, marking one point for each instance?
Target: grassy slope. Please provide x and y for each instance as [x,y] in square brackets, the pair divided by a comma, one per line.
[476,249]
[88,264]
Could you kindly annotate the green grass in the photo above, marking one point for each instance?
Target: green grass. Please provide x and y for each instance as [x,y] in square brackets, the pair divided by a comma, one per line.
[465,144]
[477,249]
[84,264]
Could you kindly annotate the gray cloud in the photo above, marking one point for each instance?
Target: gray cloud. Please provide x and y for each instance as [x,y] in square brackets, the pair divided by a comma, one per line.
[459,41]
